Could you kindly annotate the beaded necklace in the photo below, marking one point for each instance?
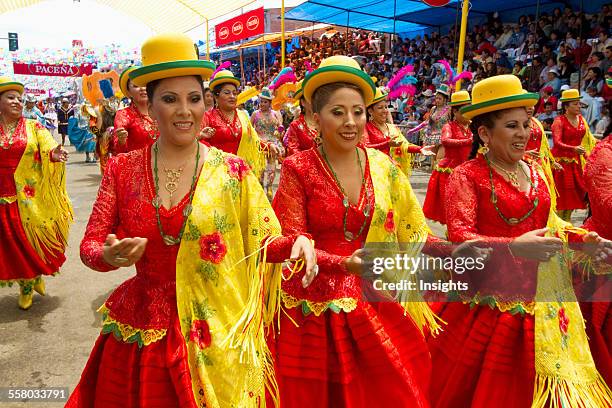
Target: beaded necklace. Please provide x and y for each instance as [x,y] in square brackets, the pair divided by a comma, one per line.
[348,235]
[169,239]
[534,187]
[7,138]
[230,124]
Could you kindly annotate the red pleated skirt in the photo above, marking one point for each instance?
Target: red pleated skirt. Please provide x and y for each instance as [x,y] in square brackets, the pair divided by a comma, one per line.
[122,375]
[435,199]
[569,184]
[371,357]
[483,358]
[18,259]
[598,317]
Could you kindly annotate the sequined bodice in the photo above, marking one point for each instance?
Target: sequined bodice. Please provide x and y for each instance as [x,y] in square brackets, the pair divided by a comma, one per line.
[9,160]
[124,207]
[141,129]
[226,137]
[309,200]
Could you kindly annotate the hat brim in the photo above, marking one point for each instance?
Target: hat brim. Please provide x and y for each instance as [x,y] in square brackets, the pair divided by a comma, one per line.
[460,103]
[218,81]
[577,98]
[298,94]
[339,73]
[376,100]
[141,76]
[123,81]
[11,86]
[523,100]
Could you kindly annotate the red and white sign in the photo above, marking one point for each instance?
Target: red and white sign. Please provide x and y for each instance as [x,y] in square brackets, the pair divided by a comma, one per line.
[436,3]
[241,27]
[52,70]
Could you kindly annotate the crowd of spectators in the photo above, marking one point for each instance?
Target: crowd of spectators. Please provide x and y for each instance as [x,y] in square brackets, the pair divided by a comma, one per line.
[549,53]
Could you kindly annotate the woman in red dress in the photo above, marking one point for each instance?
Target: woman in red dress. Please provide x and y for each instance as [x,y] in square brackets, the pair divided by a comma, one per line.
[208,212]
[333,347]
[35,212]
[505,342]
[598,315]
[230,129]
[134,128]
[457,142]
[572,142]
[302,133]
[385,136]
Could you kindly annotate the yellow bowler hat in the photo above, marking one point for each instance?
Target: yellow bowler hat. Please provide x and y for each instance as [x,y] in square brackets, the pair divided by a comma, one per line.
[570,95]
[339,68]
[497,93]
[299,92]
[380,95]
[123,80]
[9,84]
[223,77]
[460,98]
[169,55]
[609,82]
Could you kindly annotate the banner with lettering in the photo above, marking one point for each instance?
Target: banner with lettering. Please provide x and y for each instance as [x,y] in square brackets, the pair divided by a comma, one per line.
[52,70]
[241,27]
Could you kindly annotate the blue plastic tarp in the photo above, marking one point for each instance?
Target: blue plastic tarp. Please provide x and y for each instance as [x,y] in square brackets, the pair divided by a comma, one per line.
[411,16]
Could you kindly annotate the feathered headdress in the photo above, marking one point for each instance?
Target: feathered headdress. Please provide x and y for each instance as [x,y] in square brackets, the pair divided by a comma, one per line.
[402,83]
[309,67]
[453,78]
[221,67]
[285,76]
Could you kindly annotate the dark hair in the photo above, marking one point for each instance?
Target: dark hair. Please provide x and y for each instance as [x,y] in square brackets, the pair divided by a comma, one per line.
[487,120]
[321,95]
[217,90]
[564,105]
[152,86]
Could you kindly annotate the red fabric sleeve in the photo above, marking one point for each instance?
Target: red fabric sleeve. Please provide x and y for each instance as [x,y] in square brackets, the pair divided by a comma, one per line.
[293,144]
[557,134]
[103,220]
[449,141]
[290,208]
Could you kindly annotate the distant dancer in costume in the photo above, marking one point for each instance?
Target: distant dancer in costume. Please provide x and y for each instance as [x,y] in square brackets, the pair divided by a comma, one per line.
[35,212]
[439,115]
[572,143]
[383,135]
[65,112]
[134,128]
[302,132]
[457,141]
[80,133]
[267,123]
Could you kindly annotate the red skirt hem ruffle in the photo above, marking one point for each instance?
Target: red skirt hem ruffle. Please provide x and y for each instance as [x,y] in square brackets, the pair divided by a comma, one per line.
[434,205]
[122,375]
[371,357]
[570,186]
[482,356]
[18,259]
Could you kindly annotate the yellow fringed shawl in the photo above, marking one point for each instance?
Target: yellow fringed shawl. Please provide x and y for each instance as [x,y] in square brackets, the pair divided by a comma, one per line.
[400,154]
[566,375]
[224,285]
[398,219]
[547,159]
[250,146]
[588,142]
[44,207]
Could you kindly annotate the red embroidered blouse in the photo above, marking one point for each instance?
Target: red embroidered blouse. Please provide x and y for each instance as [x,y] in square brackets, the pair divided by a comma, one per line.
[142,131]
[299,136]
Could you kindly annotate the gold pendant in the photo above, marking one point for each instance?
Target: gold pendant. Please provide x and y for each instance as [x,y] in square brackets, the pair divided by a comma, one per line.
[513,221]
[172,179]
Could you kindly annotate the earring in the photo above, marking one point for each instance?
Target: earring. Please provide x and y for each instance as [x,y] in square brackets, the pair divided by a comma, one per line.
[484,149]
[317,139]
